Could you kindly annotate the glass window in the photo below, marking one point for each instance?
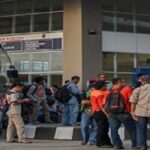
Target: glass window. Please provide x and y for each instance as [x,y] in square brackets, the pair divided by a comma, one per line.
[6,25]
[142,6]
[125,62]
[57,43]
[40,62]
[22,24]
[6,7]
[41,22]
[56,61]
[143,60]
[124,5]
[5,63]
[124,23]
[108,22]
[57,5]
[23,6]
[22,63]
[45,66]
[41,6]
[108,5]
[108,63]
[57,21]
[142,24]
[37,66]
[25,65]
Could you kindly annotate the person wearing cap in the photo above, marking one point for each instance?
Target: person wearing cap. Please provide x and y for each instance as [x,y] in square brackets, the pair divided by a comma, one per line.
[97,98]
[140,110]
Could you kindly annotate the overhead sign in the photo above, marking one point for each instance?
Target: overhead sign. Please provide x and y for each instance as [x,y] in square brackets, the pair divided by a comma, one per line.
[31,45]
[32,42]
[12,46]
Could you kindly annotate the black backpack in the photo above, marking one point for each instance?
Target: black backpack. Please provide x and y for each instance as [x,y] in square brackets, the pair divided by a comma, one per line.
[115,102]
[63,95]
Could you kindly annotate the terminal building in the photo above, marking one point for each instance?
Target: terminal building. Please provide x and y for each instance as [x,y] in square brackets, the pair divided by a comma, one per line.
[61,38]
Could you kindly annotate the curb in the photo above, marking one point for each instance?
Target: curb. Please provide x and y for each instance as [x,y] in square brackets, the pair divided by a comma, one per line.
[58,132]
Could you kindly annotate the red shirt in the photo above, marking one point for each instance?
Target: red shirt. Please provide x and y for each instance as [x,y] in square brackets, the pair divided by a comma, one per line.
[98,98]
[126,93]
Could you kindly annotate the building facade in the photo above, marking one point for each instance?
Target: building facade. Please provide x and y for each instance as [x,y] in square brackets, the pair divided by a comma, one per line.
[61,38]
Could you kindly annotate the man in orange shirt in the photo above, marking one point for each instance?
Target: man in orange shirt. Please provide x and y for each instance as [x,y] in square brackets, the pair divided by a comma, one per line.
[97,101]
[124,117]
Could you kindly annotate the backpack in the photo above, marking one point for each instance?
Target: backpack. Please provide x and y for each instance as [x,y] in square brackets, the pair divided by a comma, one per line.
[63,95]
[26,89]
[5,105]
[115,102]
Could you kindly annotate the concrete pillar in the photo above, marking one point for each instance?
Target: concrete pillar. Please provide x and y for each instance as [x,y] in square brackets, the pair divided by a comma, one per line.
[82,39]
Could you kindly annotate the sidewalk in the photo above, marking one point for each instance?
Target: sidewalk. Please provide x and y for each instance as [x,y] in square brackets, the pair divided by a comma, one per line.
[54,145]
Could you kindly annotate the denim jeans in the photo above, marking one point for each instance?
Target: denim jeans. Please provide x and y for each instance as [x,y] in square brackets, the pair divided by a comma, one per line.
[70,112]
[141,127]
[88,135]
[115,122]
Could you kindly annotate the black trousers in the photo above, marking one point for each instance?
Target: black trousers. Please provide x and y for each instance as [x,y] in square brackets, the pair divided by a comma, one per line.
[102,137]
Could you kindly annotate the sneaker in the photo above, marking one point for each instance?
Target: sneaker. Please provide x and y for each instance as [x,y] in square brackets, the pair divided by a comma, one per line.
[75,124]
[105,146]
[134,147]
[90,143]
[118,147]
[13,141]
[25,142]
[140,148]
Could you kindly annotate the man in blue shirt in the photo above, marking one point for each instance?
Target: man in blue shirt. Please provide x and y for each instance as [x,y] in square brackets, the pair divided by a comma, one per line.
[71,108]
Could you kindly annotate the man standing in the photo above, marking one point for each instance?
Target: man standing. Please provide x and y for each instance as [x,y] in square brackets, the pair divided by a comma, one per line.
[14,114]
[102,77]
[97,98]
[37,96]
[121,117]
[71,108]
[140,110]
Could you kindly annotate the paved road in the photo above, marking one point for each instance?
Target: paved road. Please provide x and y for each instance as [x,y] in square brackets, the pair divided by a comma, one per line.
[52,145]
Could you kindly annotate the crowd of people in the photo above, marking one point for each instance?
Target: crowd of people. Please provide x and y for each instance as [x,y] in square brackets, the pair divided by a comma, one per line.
[102,105]
[113,106]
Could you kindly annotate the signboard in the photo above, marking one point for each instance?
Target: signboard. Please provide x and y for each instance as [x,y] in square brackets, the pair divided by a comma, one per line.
[32,42]
[12,46]
[32,45]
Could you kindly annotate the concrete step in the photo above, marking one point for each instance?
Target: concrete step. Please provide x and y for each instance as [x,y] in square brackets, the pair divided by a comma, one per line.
[53,132]
[57,132]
